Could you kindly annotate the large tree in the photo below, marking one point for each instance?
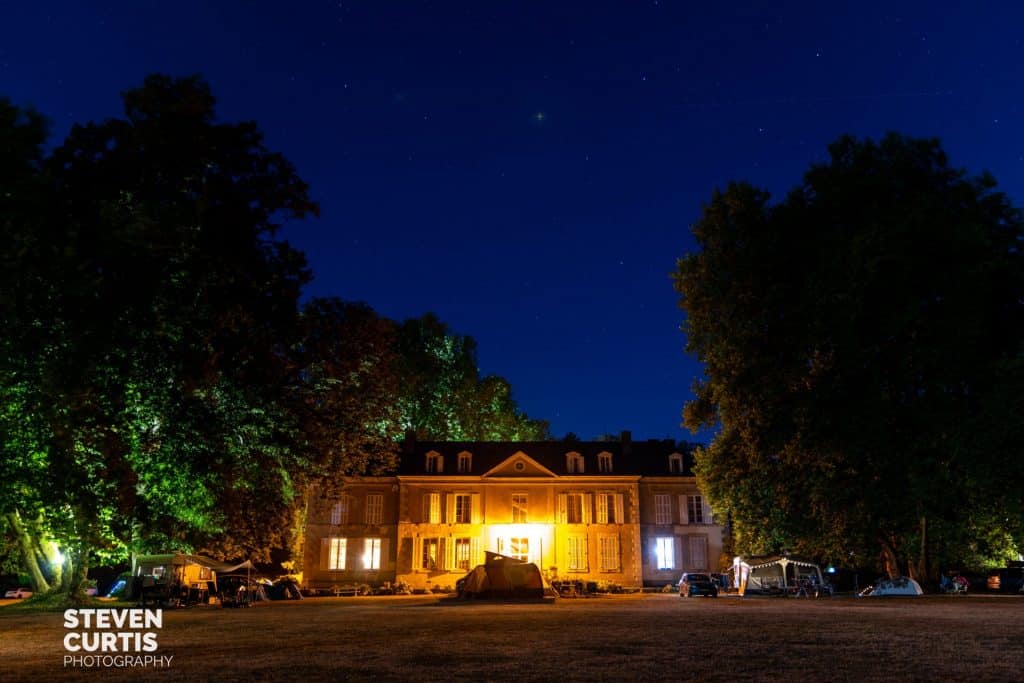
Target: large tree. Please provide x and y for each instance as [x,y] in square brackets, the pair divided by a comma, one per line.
[862,342]
[149,315]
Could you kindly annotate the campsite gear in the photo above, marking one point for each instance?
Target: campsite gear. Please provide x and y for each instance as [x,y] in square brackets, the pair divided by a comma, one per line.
[778,575]
[899,586]
[502,577]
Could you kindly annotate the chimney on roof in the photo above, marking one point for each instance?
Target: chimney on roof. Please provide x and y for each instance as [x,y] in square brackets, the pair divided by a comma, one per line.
[627,441]
[409,442]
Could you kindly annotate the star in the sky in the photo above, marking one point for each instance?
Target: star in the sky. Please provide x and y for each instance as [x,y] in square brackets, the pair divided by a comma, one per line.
[539,117]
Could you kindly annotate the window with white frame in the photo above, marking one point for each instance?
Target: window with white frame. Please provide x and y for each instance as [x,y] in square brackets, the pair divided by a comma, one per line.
[374,508]
[574,463]
[574,508]
[604,462]
[465,462]
[519,508]
[675,463]
[695,509]
[665,552]
[431,508]
[576,554]
[662,508]
[698,552]
[609,508]
[519,548]
[609,552]
[435,462]
[462,553]
[371,553]
[430,557]
[463,508]
[336,551]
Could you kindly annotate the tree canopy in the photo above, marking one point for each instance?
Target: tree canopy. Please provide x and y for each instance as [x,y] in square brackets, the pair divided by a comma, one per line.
[862,342]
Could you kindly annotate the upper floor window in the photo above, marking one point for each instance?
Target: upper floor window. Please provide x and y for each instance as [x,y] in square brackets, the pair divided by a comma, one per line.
[435,462]
[432,508]
[695,510]
[519,508]
[465,462]
[574,508]
[675,463]
[662,508]
[609,508]
[604,462]
[463,508]
[574,463]
[339,513]
[374,508]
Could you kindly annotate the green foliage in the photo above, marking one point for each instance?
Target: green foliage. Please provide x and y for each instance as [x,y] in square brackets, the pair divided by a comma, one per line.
[862,342]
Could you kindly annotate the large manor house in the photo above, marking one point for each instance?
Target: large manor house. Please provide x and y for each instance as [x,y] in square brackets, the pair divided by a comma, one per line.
[620,513]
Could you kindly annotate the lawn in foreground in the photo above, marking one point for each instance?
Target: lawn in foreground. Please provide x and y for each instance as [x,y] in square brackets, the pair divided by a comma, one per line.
[651,637]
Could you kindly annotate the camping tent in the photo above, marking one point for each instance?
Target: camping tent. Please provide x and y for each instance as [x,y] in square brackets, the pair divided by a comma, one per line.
[502,577]
[901,585]
[776,574]
[179,577]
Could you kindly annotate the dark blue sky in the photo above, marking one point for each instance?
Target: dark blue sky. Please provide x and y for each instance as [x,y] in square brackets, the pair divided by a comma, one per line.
[529,170]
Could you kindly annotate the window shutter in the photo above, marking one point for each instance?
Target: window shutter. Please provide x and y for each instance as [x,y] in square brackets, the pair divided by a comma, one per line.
[449,507]
[475,515]
[602,508]
[440,463]
[620,513]
[588,507]
[449,553]
[417,553]
[684,516]
[474,552]
[325,552]
[707,509]
[385,555]
[561,508]
[426,508]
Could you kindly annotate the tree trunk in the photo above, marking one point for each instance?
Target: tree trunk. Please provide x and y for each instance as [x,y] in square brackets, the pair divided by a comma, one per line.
[29,554]
[890,558]
[922,558]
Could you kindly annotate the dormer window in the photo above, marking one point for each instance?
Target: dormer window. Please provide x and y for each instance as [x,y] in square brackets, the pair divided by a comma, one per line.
[604,462]
[574,463]
[465,462]
[435,462]
[675,463]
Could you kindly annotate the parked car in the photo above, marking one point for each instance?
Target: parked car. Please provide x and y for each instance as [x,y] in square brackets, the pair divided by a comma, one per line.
[692,584]
[21,592]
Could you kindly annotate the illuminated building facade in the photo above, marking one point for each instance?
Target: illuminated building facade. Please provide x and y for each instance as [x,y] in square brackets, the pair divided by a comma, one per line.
[613,512]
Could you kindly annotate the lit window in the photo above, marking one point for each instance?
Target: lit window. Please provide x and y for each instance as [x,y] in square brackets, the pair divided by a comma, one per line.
[462,553]
[519,515]
[431,546]
[577,554]
[574,463]
[662,508]
[695,509]
[604,462]
[432,508]
[336,554]
[465,463]
[435,462]
[665,552]
[609,549]
[463,508]
[519,548]
[675,463]
[371,553]
[374,508]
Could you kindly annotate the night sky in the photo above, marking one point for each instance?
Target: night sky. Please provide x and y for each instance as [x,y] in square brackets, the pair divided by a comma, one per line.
[528,171]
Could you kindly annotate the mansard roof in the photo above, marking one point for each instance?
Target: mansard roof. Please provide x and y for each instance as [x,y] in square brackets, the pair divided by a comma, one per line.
[638,458]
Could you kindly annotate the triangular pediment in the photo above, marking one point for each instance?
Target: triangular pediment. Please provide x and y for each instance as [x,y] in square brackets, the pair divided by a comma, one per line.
[519,464]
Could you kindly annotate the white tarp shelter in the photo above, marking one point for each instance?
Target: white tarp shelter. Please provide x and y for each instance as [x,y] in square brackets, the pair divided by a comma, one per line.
[773,574]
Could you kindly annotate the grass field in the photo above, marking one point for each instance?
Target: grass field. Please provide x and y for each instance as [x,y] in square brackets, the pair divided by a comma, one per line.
[648,637]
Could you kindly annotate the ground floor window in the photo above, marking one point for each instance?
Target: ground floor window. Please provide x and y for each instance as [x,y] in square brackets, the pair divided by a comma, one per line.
[698,551]
[462,553]
[431,553]
[609,550]
[665,552]
[577,554]
[371,553]
[519,548]
[336,554]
